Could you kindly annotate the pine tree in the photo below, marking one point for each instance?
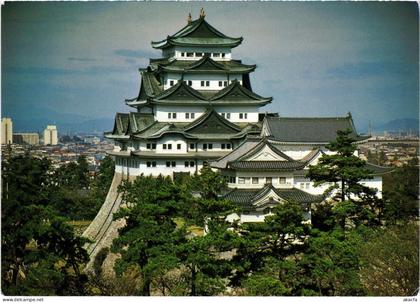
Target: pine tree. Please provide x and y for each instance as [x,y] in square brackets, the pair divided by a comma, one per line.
[344,170]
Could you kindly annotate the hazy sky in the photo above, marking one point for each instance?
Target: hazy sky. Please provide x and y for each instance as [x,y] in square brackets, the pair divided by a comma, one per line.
[314,58]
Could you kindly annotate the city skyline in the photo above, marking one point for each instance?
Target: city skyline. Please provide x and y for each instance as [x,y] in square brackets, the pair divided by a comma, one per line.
[318,59]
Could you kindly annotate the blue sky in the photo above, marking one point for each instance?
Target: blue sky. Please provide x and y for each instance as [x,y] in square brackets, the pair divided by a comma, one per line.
[314,58]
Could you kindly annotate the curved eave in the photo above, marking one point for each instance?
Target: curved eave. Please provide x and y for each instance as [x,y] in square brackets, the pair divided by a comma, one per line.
[202,102]
[135,103]
[176,42]
[117,137]
[189,155]
[179,102]
[216,71]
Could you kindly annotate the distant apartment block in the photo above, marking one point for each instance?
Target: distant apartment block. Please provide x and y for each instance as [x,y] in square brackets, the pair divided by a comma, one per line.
[26,138]
[50,135]
[6,130]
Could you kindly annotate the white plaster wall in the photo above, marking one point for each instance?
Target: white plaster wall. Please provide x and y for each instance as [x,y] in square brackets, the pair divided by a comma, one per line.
[174,140]
[261,180]
[178,49]
[375,183]
[161,169]
[197,78]
[251,111]
[161,114]
[217,146]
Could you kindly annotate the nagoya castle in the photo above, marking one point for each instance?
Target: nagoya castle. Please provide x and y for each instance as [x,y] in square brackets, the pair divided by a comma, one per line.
[196,107]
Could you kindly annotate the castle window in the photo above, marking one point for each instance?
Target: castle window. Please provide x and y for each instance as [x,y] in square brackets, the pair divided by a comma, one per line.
[191,164]
[171,115]
[223,146]
[164,146]
[153,146]
[268,180]
[255,180]
[189,83]
[173,164]
[192,146]
[169,146]
[307,185]
[232,179]
[192,115]
[153,164]
[302,185]
[187,115]
[241,180]
[190,54]
[202,83]
[178,146]
[216,55]
[148,146]
[207,83]
[223,114]
[199,54]
[227,146]
[210,146]
[220,83]
[282,180]
[223,54]
[187,164]
[207,54]
[168,164]
[205,146]
[228,115]
[171,83]
[225,83]
[267,211]
[182,54]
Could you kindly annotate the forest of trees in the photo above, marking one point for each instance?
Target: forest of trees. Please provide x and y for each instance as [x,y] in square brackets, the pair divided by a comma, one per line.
[357,244]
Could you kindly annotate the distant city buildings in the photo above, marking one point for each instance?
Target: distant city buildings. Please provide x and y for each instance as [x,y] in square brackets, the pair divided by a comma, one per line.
[26,138]
[6,131]
[50,135]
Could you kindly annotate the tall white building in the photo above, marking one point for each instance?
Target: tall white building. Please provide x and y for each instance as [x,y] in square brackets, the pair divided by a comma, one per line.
[51,135]
[6,131]
[195,105]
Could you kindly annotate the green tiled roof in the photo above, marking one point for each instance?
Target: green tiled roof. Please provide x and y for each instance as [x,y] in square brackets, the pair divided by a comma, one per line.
[204,65]
[180,91]
[209,126]
[248,197]
[236,92]
[310,130]
[378,170]
[267,165]
[198,33]
[129,123]
[182,94]
[212,122]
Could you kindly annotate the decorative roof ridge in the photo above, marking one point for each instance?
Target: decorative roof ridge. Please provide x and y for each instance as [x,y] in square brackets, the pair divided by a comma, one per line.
[189,29]
[294,189]
[235,83]
[204,59]
[206,115]
[168,92]
[311,155]
[264,142]
[309,117]
[264,190]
